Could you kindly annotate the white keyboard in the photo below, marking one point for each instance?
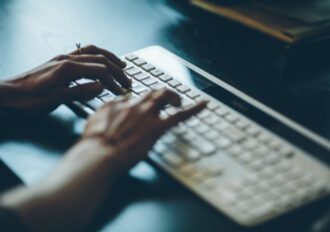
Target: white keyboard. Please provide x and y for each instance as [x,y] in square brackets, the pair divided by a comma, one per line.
[236,165]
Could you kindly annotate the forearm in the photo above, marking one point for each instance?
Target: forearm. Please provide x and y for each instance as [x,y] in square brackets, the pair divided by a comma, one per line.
[9,92]
[55,204]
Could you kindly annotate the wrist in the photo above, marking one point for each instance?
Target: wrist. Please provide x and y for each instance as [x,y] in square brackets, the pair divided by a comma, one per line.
[9,92]
[86,174]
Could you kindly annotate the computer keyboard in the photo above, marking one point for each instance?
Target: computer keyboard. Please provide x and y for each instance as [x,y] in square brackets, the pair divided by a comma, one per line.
[229,160]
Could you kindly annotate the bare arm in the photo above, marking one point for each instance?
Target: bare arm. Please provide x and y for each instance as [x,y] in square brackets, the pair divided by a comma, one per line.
[115,139]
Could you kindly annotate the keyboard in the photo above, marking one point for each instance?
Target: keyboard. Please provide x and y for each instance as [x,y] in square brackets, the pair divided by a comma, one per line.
[229,160]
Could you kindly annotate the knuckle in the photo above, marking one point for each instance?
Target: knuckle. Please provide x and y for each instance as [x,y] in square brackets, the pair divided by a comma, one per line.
[65,64]
[101,57]
[61,57]
[111,53]
[91,47]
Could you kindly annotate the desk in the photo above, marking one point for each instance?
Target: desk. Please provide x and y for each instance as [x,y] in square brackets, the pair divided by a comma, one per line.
[147,199]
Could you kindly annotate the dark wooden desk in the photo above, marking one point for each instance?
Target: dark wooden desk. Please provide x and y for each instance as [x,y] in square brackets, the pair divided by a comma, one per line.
[147,200]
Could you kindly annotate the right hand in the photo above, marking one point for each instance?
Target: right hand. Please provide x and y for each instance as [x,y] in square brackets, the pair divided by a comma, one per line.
[132,127]
[118,136]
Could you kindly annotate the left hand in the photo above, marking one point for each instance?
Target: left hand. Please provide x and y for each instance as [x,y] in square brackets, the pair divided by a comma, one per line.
[43,89]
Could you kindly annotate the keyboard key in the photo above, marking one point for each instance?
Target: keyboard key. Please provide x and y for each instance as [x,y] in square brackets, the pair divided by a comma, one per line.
[94,103]
[104,93]
[149,81]
[257,165]
[86,110]
[160,148]
[211,119]
[139,62]
[84,81]
[252,130]
[204,114]
[215,169]
[193,122]
[200,99]
[233,133]
[148,67]
[250,144]
[221,111]
[222,142]
[108,98]
[235,150]
[180,129]
[242,124]
[140,89]
[141,76]
[199,176]
[185,150]
[174,83]
[271,158]
[221,125]
[264,137]
[205,147]
[128,66]
[264,210]
[169,138]
[171,110]
[192,94]
[183,88]
[185,103]
[72,84]
[158,86]
[156,72]
[133,71]
[189,136]
[202,128]
[231,117]
[172,159]
[213,105]
[212,135]
[165,78]
[189,169]
[131,57]
[246,158]
[226,196]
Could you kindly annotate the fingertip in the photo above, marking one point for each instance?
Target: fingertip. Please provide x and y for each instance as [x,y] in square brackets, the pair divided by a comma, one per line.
[127,82]
[177,102]
[122,63]
[97,87]
[202,104]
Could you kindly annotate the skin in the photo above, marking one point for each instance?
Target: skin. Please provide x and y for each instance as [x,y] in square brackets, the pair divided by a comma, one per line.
[44,88]
[117,137]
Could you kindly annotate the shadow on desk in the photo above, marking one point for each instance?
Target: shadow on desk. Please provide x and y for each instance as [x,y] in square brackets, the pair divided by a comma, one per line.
[51,132]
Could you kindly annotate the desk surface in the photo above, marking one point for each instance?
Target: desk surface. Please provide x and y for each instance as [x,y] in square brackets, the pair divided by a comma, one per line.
[147,200]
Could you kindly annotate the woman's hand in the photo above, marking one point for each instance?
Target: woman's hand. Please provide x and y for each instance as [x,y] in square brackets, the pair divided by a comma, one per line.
[132,128]
[43,89]
[118,136]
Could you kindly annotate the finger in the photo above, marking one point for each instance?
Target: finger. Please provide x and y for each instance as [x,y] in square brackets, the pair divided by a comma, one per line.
[91,49]
[116,72]
[183,115]
[74,70]
[159,99]
[79,93]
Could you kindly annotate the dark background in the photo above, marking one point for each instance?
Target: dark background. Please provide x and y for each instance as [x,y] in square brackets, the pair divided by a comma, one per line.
[293,80]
